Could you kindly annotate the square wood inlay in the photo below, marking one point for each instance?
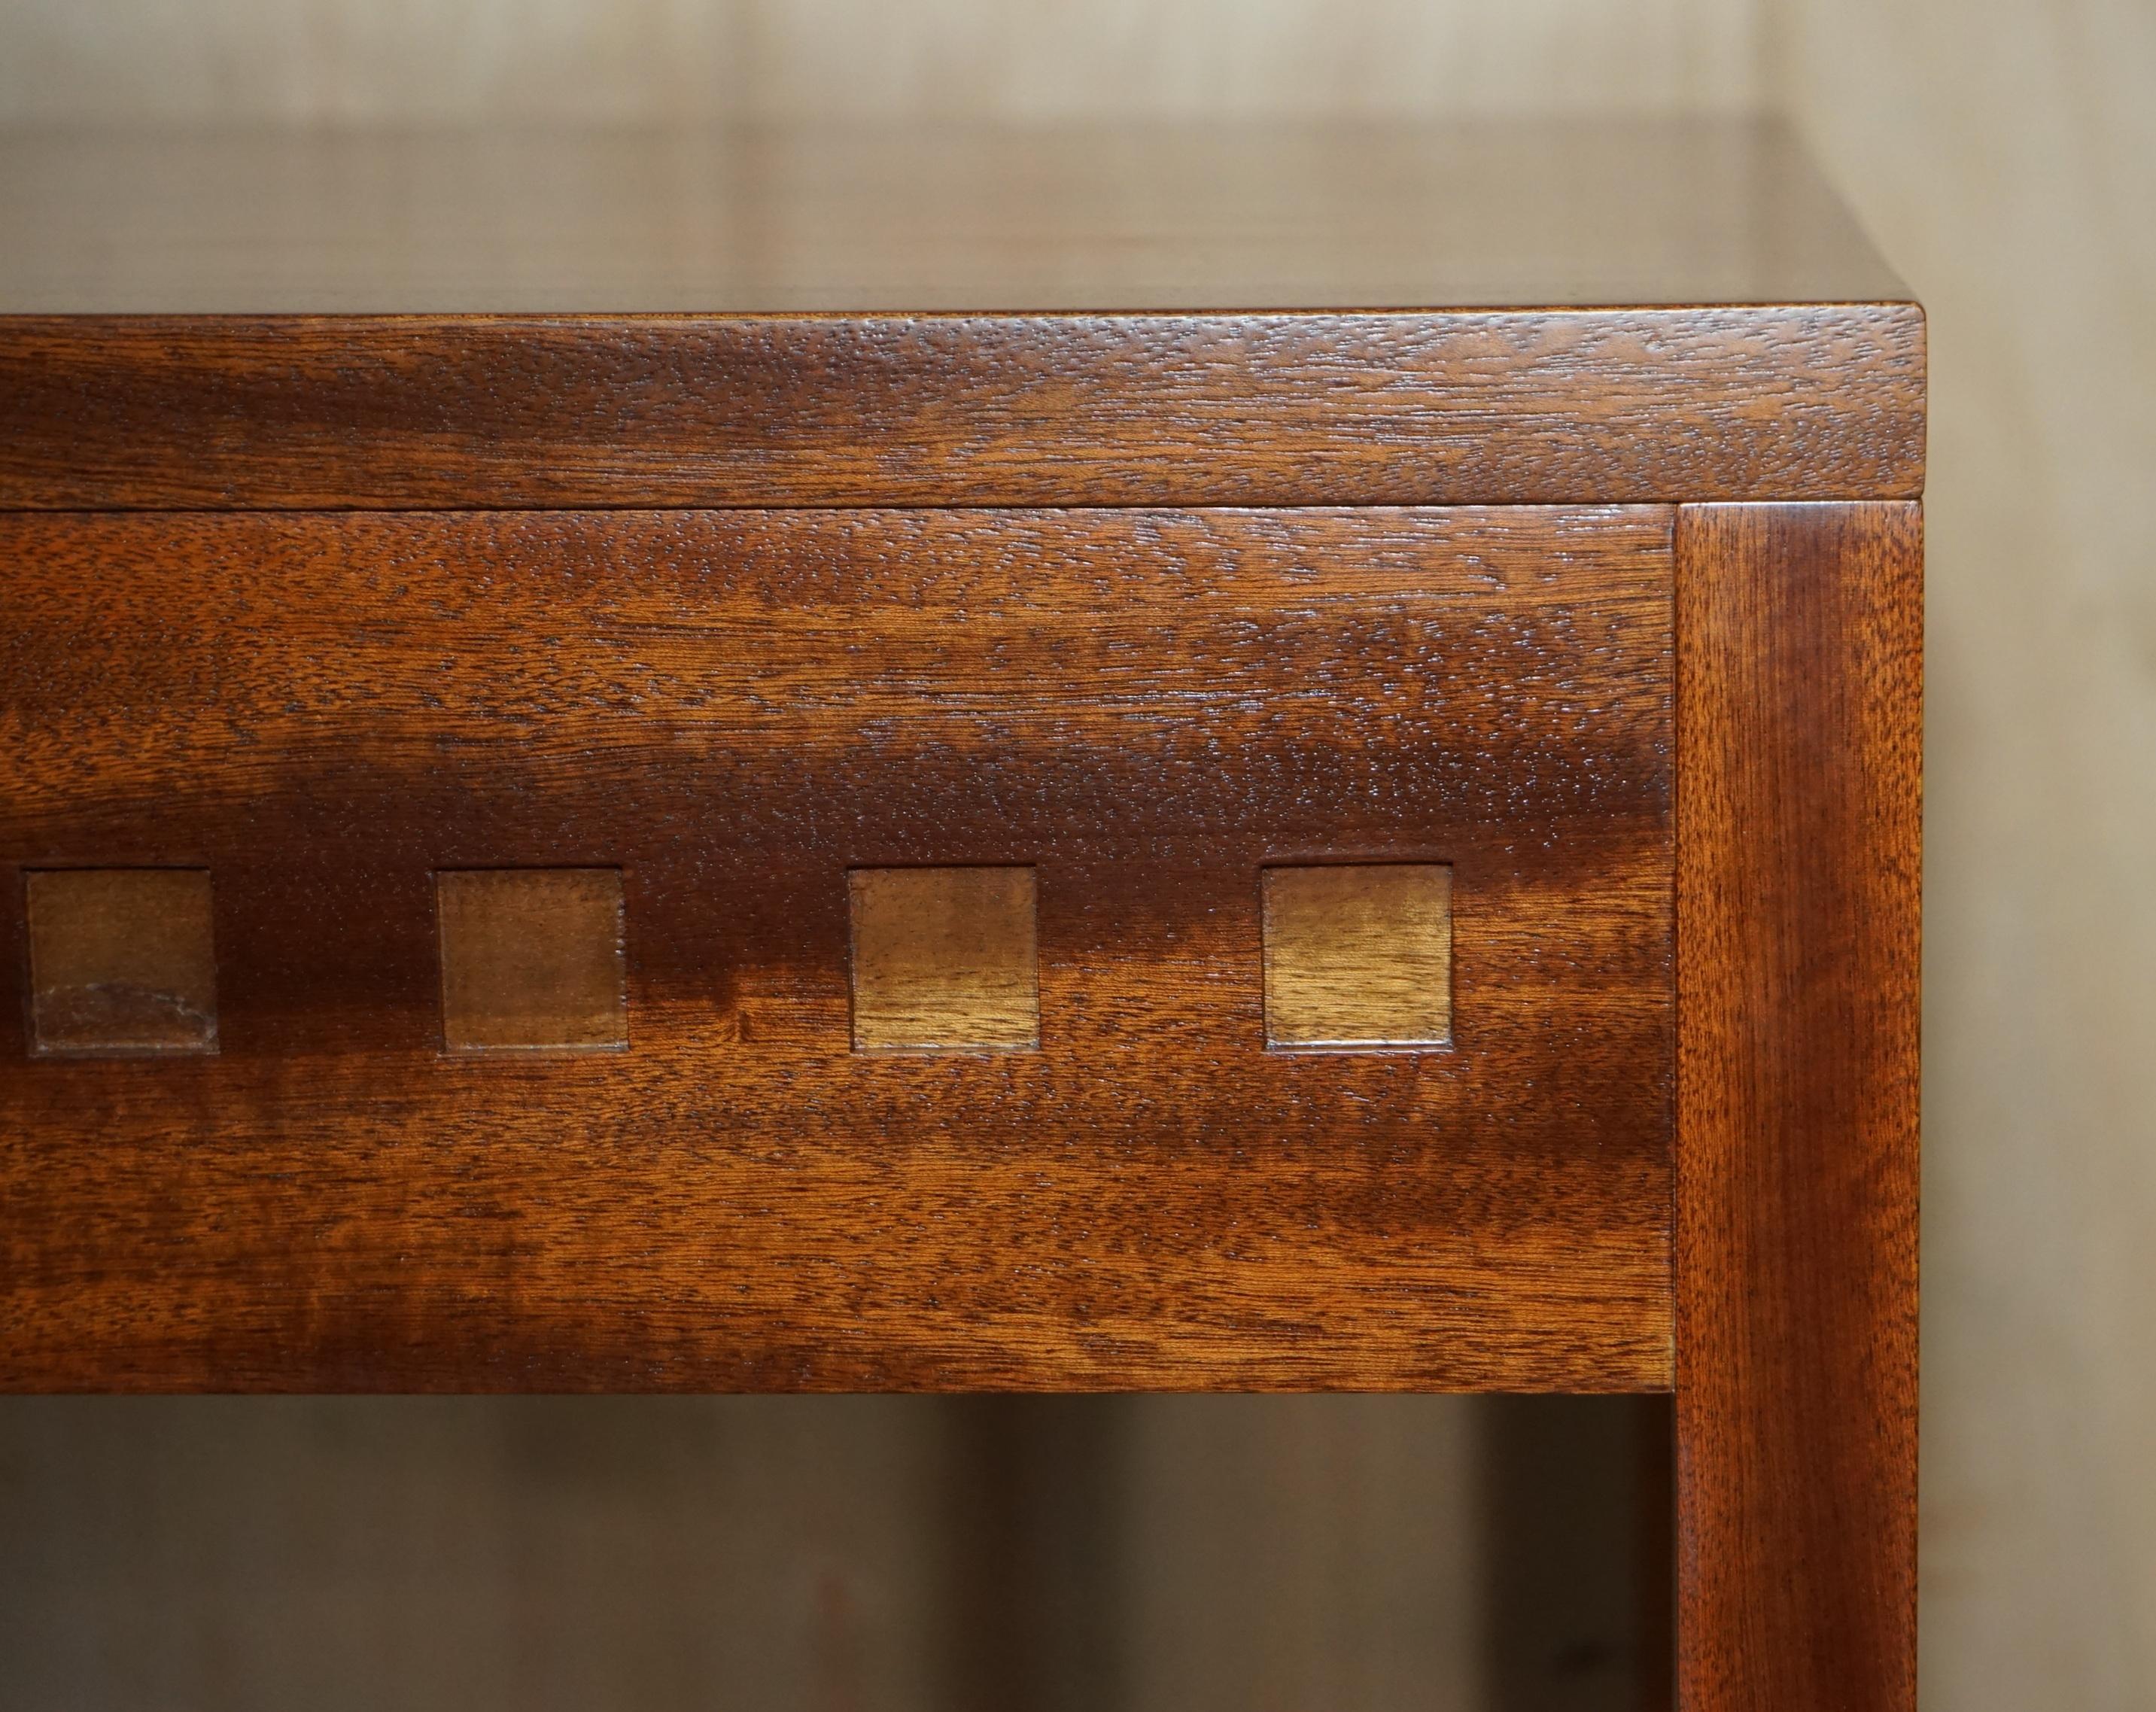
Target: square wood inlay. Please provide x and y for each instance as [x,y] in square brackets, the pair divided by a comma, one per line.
[532,959]
[878,1124]
[944,959]
[1359,954]
[122,961]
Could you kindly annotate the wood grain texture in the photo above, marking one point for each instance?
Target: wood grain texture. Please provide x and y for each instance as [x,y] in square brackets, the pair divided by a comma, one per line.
[1524,406]
[122,961]
[734,709]
[1358,954]
[532,959]
[1799,785]
[944,959]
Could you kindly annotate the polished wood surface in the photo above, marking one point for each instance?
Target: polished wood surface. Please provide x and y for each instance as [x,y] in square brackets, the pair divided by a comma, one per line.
[855,220]
[1358,954]
[1799,783]
[122,961]
[736,711]
[993,884]
[1567,315]
[532,959]
[1525,407]
[945,959]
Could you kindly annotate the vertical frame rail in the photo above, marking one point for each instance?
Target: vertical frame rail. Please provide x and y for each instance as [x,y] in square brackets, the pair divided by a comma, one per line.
[1800,648]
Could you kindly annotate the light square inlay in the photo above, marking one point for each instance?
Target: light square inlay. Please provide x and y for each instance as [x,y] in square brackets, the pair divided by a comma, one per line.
[532,959]
[944,959]
[122,960]
[1359,954]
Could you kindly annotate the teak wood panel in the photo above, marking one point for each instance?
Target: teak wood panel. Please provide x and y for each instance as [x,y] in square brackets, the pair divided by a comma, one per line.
[735,710]
[1799,800]
[1535,407]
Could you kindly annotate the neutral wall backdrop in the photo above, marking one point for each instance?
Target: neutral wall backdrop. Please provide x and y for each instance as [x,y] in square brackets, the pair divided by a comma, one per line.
[2003,154]
[358,61]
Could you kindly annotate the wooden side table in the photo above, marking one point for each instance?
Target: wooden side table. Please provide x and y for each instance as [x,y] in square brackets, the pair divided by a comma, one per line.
[834,760]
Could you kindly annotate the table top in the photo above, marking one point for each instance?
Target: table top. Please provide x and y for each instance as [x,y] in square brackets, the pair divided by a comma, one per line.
[882,221]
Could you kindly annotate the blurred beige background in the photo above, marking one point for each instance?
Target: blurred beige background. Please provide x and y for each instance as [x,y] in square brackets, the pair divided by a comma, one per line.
[2003,154]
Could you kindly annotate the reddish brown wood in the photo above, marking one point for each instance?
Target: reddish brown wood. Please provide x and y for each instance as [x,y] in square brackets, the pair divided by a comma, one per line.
[923,315]
[1535,407]
[733,709]
[1799,786]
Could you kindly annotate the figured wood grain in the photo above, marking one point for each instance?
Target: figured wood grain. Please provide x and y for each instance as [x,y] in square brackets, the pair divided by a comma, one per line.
[122,961]
[532,959]
[944,959]
[1799,804]
[735,709]
[1320,407]
[1358,954]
